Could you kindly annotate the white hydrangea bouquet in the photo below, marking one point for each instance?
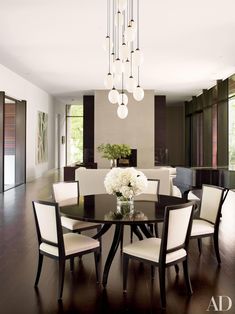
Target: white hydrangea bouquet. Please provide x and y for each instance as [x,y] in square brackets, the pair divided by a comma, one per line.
[125,182]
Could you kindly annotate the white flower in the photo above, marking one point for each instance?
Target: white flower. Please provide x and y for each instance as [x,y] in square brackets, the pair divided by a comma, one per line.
[125,182]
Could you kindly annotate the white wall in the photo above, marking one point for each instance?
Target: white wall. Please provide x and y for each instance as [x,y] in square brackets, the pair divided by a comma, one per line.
[137,130]
[37,100]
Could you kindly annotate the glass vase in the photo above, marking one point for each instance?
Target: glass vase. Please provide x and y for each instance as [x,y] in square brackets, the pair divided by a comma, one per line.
[125,205]
[113,163]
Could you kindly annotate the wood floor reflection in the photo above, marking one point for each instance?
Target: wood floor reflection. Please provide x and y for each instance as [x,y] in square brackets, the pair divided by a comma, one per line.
[18,259]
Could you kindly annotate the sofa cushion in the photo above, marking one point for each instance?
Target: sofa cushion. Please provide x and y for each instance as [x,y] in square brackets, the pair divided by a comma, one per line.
[91,181]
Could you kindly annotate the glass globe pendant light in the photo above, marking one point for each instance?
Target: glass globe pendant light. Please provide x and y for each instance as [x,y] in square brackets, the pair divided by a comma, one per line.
[123,99]
[119,20]
[124,53]
[118,66]
[108,81]
[138,58]
[107,43]
[122,111]
[130,34]
[113,96]
[138,92]
[131,84]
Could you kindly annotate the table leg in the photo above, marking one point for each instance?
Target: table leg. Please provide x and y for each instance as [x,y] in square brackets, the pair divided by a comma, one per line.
[116,240]
[145,231]
[102,231]
[136,231]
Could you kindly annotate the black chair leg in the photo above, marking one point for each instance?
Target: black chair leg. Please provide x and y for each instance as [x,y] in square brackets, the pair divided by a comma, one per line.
[156,230]
[177,269]
[61,278]
[131,236]
[125,271]
[97,258]
[216,246]
[71,263]
[40,261]
[150,228]
[162,286]
[99,239]
[199,243]
[152,271]
[121,240]
[187,277]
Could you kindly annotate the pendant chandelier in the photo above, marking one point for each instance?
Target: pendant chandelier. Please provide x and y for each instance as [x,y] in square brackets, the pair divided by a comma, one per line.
[124,54]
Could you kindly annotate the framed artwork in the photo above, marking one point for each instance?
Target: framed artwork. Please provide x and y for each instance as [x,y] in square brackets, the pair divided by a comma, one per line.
[42,138]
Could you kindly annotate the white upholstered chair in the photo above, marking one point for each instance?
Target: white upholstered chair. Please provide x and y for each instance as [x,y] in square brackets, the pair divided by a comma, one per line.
[207,224]
[153,188]
[63,191]
[52,243]
[167,251]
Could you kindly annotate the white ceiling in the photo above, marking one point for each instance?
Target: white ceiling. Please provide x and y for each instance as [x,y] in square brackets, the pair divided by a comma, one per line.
[57,44]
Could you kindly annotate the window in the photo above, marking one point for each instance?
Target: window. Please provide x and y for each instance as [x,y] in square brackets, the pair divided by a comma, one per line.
[74,134]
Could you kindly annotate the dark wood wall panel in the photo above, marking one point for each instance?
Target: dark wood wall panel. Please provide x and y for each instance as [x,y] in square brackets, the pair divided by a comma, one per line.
[194,141]
[207,137]
[160,130]
[2,99]
[222,155]
[88,128]
[188,141]
[213,104]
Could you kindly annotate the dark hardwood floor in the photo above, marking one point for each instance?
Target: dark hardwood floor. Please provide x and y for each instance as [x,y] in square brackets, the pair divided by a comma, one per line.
[18,261]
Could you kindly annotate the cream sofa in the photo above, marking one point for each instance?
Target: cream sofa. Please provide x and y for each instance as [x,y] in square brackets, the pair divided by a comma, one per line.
[91,181]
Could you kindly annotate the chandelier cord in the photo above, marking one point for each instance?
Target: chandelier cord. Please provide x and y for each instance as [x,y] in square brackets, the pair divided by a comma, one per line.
[123,27]
[132,13]
[113,29]
[132,51]
[138,24]
[118,32]
[138,76]
[108,19]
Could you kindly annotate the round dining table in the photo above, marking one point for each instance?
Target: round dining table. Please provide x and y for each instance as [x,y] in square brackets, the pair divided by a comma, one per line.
[102,208]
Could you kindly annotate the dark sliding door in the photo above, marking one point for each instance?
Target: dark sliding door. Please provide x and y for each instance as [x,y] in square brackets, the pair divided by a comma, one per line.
[2,99]
[13,142]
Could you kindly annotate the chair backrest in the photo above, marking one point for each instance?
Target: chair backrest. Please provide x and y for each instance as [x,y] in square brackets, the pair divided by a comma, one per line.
[48,223]
[176,228]
[65,190]
[153,187]
[91,181]
[211,203]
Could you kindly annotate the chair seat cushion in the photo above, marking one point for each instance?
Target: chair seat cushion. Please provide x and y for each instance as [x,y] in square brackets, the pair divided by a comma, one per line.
[192,197]
[201,227]
[149,249]
[73,243]
[73,224]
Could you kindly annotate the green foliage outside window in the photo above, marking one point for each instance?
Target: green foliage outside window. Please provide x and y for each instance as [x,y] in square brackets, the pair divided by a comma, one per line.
[74,133]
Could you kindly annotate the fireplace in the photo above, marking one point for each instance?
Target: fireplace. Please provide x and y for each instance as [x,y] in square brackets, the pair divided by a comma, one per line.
[130,161]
